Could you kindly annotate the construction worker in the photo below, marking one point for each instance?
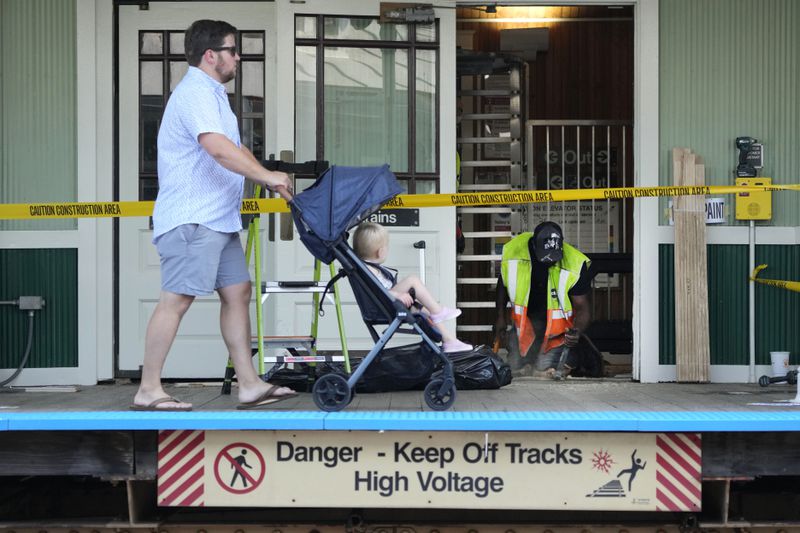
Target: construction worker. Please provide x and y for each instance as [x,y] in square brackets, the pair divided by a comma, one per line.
[547,282]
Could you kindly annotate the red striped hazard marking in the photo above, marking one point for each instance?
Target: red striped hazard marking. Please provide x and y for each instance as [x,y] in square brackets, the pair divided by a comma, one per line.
[678,483]
[181,468]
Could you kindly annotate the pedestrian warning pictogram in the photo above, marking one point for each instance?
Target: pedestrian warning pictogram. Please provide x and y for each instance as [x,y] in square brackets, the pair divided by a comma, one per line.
[239,468]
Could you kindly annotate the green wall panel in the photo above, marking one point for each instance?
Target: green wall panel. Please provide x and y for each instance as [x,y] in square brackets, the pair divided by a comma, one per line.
[52,274]
[38,109]
[729,68]
[777,310]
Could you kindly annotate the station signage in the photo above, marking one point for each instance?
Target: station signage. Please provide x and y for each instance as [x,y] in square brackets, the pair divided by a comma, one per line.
[395,217]
[475,470]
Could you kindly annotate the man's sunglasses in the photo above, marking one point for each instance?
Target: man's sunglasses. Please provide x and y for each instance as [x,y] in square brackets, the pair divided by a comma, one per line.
[231,49]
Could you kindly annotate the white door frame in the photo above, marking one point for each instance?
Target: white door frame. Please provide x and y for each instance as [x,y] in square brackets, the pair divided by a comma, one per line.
[645,144]
[441,243]
[198,350]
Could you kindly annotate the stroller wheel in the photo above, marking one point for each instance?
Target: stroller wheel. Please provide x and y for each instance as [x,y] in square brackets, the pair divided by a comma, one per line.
[436,400]
[331,392]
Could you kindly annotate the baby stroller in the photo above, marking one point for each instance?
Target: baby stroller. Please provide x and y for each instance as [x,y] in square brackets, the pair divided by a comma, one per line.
[339,200]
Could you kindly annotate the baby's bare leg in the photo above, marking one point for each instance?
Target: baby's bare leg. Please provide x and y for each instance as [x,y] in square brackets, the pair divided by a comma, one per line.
[421,292]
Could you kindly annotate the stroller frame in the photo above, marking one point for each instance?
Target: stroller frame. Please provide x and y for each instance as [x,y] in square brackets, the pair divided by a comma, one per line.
[332,392]
[324,212]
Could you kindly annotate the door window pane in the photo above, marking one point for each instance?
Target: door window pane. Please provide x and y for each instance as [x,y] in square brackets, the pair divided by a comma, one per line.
[245,94]
[359,108]
[152,43]
[426,33]
[230,88]
[305,27]
[305,94]
[425,111]
[252,43]
[176,42]
[151,77]
[151,110]
[252,74]
[253,136]
[363,29]
[425,186]
[366,107]
[177,70]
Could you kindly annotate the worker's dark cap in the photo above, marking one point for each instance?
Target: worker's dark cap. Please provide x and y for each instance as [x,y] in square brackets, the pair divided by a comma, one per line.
[548,243]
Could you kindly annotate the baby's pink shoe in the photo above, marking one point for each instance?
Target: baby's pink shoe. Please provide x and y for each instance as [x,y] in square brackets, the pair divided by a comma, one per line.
[456,346]
[445,314]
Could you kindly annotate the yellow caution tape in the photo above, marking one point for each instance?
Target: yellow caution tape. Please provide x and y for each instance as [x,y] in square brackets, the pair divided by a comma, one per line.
[484,198]
[116,209]
[788,285]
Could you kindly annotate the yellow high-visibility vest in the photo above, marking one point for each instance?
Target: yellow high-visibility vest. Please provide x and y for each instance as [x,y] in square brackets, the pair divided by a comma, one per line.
[515,269]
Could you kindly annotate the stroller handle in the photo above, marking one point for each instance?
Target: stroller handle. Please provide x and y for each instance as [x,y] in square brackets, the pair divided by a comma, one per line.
[285,193]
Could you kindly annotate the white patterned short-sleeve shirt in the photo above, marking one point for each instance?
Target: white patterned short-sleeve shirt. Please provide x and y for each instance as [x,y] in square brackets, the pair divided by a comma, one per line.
[192,187]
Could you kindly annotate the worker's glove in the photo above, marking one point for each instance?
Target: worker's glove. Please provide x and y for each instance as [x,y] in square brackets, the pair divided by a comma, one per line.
[571,337]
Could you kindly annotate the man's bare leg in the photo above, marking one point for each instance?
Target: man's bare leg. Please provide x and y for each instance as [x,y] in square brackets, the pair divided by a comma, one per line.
[235,326]
[161,331]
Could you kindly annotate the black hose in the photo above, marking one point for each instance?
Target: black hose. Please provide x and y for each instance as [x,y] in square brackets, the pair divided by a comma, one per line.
[24,361]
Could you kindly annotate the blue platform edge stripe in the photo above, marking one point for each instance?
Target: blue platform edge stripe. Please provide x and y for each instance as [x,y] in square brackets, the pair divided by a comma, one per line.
[569,421]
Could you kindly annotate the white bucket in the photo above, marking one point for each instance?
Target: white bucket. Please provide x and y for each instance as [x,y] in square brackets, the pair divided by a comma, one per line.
[780,363]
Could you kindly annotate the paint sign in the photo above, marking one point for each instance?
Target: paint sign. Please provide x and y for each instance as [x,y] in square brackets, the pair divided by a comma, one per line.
[715,211]
[508,470]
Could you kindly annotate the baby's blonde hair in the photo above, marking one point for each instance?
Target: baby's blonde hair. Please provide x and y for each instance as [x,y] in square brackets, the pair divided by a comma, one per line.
[368,238]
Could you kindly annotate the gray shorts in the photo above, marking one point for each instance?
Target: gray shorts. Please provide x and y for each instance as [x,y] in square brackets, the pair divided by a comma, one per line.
[196,260]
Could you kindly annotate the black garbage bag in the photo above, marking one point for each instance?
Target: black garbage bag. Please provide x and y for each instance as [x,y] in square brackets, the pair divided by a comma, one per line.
[398,368]
[586,360]
[298,379]
[479,368]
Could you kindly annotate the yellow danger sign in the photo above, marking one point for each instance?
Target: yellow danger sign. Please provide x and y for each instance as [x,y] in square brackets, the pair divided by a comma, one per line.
[443,470]
[487,198]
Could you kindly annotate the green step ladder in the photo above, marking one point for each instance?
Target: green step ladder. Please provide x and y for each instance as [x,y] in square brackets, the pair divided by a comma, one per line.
[293,344]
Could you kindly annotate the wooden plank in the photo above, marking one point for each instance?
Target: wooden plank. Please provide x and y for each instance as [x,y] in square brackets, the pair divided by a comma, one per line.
[691,284]
[751,454]
[106,454]
[145,454]
[702,347]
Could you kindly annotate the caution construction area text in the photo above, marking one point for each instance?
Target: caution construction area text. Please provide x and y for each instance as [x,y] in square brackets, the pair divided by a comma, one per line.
[443,470]
[487,198]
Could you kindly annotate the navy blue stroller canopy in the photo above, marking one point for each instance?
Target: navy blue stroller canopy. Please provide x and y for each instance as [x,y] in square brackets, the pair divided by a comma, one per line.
[340,199]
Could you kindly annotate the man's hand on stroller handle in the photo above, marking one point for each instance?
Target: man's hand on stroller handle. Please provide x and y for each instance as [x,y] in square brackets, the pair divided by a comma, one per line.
[285,193]
[280,183]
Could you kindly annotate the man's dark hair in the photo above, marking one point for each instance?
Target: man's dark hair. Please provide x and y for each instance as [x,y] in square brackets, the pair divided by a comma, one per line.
[202,35]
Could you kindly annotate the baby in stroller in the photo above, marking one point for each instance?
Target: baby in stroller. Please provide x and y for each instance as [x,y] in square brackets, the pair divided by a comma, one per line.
[371,245]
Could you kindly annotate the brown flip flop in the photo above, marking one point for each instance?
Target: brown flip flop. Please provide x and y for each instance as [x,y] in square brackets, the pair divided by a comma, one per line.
[267,398]
[153,406]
